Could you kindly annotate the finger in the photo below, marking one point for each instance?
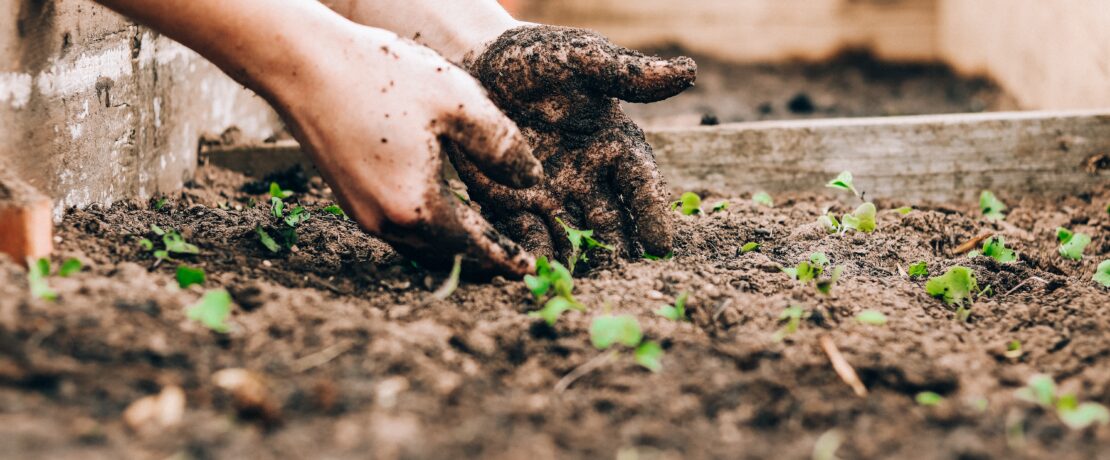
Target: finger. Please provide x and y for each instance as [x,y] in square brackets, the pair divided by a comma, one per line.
[494,143]
[604,217]
[530,231]
[644,193]
[632,76]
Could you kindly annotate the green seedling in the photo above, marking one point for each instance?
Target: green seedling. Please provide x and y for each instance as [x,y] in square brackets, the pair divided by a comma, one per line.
[871,317]
[581,242]
[1041,390]
[749,247]
[146,244]
[212,310]
[452,281]
[70,267]
[844,182]
[928,398]
[159,204]
[676,312]
[689,204]
[861,220]
[829,222]
[720,206]
[825,286]
[793,317]
[277,192]
[956,286]
[553,309]
[555,279]
[807,271]
[335,210]
[1013,350]
[609,330]
[995,248]
[37,272]
[1102,274]
[267,240]
[172,241]
[669,256]
[277,207]
[297,216]
[188,276]
[904,210]
[991,207]
[1071,244]
[649,355]
[919,270]
[763,199]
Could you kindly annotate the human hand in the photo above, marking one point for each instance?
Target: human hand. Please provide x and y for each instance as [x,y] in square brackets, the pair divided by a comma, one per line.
[561,86]
[374,112]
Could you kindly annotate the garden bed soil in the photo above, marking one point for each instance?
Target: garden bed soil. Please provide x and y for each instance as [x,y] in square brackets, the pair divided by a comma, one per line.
[357,362]
[853,84]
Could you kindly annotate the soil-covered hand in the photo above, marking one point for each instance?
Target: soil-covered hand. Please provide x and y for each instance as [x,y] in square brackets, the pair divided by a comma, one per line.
[561,86]
[374,111]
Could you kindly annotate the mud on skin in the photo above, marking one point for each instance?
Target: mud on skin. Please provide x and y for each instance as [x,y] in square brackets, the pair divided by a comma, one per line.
[561,86]
[473,376]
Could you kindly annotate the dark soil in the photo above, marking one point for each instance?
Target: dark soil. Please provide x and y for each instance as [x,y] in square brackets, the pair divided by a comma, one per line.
[359,364]
[854,84]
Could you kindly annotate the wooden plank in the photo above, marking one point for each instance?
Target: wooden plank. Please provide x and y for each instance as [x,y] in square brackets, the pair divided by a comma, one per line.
[932,157]
[26,222]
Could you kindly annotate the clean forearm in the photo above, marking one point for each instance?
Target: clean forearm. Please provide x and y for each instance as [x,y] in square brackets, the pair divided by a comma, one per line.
[451,27]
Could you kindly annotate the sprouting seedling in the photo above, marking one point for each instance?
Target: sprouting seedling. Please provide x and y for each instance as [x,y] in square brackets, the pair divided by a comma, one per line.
[763,199]
[861,220]
[991,207]
[69,267]
[581,242]
[608,330]
[335,210]
[689,204]
[928,398]
[1071,244]
[37,272]
[212,310]
[1041,390]
[267,240]
[668,256]
[955,286]
[277,207]
[676,312]
[452,281]
[919,270]
[904,210]
[749,247]
[188,276]
[793,316]
[844,182]
[871,317]
[829,222]
[287,233]
[1102,274]
[552,278]
[277,192]
[825,286]
[159,204]
[807,271]
[995,248]
[1013,349]
[720,206]
[172,241]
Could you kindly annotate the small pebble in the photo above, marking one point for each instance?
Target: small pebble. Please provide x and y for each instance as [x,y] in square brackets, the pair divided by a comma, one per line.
[267,264]
[655,295]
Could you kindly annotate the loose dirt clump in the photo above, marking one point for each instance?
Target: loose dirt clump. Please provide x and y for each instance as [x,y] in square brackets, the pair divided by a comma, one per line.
[342,355]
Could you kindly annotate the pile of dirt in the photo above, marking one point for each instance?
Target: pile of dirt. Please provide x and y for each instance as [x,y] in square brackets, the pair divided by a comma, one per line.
[854,84]
[354,359]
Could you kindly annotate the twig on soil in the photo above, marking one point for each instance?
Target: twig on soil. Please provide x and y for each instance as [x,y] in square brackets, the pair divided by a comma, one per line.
[972,243]
[321,357]
[1023,283]
[580,371]
[841,366]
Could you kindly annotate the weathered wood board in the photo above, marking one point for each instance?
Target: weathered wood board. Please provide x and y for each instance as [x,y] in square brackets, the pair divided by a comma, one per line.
[933,157]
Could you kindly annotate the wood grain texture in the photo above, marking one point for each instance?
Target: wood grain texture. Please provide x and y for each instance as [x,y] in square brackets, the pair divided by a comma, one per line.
[26,223]
[933,157]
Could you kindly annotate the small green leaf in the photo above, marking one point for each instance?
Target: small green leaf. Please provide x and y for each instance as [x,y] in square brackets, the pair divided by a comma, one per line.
[763,199]
[157,230]
[919,270]
[991,207]
[212,310]
[146,244]
[188,276]
[871,317]
[720,206]
[70,267]
[158,205]
[904,210]
[791,271]
[277,192]
[689,204]
[825,286]
[928,398]
[1072,245]
[649,355]
[551,310]
[829,223]
[581,242]
[1040,389]
[862,220]
[793,316]
[676,312]
[267,240]
[607,330]
[1013,349]
[37,272]
[669,256]
[995,248]
[176,244]
[749,247]
[334,209]
[843,182]
[1102,274]
[955,286]
[806,272]
[297,216]
[277,207]
[819,259]
[1084,415]
[162,254]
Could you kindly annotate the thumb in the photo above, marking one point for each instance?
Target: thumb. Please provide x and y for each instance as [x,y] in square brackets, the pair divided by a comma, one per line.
[631,76]
[494,142]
